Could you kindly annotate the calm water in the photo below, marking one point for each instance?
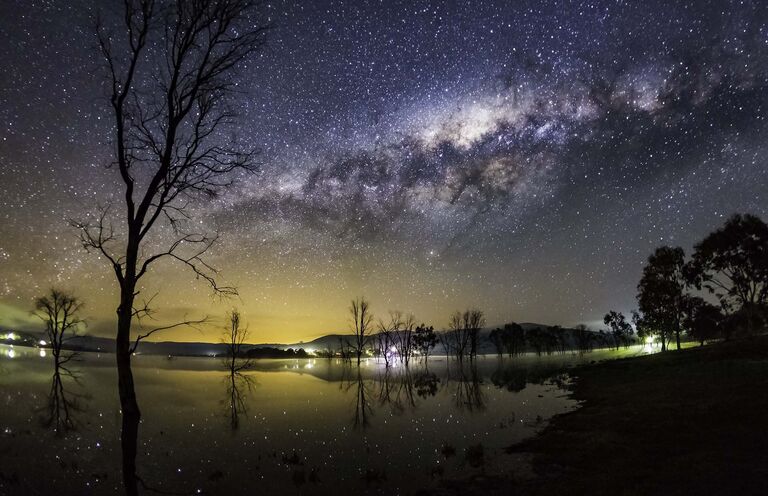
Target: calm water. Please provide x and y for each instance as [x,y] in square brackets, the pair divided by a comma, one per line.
[306,426]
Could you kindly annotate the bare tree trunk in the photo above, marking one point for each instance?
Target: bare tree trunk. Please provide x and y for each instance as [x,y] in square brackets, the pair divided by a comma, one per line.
[128,442]
[128,404]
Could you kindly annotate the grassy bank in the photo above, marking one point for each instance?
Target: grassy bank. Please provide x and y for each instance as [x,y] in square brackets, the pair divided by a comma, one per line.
[687,422]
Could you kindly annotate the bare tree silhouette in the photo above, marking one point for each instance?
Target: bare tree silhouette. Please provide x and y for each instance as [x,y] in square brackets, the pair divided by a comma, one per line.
[63,404]
[237,384]
[169,66]
[362,322]
[59,311]
[385,337]
[235,336]
[405,341]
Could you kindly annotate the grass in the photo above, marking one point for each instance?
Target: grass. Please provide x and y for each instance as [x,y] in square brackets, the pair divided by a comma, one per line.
[693,421]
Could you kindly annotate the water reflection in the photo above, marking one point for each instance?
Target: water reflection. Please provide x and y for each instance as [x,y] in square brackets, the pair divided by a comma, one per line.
[237,384]
[63,403]
[469,393]
[324,428]
[361,389]
[514,377]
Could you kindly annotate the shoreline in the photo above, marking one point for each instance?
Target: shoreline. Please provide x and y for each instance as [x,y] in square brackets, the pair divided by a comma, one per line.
[679,422]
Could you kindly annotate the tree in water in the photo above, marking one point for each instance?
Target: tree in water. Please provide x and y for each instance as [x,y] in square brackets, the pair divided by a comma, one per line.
[235,336]
[509,339]
[661,292]
[425,339]
[456,337]
[474,320]
[385,337]
[404,338]
[497,338]
[732,264]
[515,344]
[169,68]
[59,311]
[362,323]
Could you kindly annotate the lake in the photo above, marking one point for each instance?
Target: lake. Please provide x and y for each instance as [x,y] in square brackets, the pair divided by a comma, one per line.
[293,426]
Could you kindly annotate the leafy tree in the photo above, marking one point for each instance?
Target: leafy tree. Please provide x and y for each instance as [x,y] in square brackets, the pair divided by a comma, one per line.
[661,294]
[583,338]
[621,330]
[732,263]
[425,340]
[536,339]
[497,339]
[702,319]
[515,342]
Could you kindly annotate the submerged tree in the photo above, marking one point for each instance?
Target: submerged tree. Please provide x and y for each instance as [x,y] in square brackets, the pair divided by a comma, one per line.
[235,336]
[497,338]
[463,333]
[456,338]
[59,311]
[474,320]
[170,67]
[385,337]
[732,264]
[661,293]
[362,322]
[425,339]
[404,338]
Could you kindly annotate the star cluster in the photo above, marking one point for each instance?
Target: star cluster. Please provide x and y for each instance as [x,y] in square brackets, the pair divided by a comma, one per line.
[522,157]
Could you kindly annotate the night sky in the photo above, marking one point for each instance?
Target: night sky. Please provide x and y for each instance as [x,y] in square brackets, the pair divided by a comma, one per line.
[521,157]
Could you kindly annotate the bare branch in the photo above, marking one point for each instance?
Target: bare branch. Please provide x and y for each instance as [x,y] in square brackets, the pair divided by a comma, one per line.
[195,324]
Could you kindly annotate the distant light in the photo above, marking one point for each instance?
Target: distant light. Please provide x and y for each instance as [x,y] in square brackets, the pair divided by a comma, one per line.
[42,342]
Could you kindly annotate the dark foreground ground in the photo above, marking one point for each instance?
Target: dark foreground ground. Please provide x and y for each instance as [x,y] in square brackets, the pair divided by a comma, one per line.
[693,421]
[683,422]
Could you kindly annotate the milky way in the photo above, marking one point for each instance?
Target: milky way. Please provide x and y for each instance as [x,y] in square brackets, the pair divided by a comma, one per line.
[521,157]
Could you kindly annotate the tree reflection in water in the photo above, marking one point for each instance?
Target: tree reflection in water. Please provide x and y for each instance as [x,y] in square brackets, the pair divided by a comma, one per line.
[399,390]
[363,408]
[63,404]
[237,384]
[469,393]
